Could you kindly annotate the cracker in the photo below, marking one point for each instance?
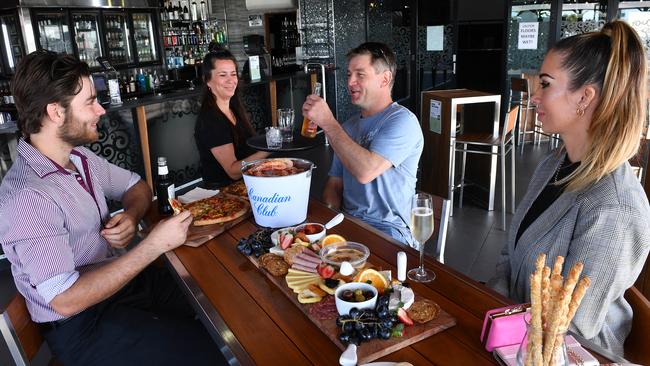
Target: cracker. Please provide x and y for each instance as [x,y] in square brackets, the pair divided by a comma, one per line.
[423,310]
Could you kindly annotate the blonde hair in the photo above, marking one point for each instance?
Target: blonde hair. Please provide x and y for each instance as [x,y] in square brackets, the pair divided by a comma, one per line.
[613,60]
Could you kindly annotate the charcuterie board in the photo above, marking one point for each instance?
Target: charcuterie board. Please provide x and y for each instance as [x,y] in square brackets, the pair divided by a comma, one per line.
[369,350]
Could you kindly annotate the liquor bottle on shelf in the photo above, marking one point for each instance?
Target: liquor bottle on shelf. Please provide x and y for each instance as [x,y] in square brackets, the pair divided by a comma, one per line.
[165,188]
[177,11]
[170,11]
[193,11]
[163,10]
[186,13]
[132,85]
[204,11]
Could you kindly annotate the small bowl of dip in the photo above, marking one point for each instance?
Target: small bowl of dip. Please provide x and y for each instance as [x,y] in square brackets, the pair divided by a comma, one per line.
[313,230]
[345,251]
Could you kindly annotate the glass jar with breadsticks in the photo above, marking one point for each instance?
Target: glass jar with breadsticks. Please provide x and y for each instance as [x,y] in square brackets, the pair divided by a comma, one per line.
[554,301]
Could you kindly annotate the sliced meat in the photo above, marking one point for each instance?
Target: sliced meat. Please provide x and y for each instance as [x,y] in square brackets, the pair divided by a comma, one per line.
[301,261]
[303,268]
[311,254]
[309,258]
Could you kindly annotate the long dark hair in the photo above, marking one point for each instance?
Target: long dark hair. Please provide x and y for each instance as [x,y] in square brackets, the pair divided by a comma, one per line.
[209,100]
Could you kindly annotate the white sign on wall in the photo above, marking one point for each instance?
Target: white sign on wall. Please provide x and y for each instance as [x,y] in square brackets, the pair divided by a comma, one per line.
[435,37]
[255,20]
[528,33]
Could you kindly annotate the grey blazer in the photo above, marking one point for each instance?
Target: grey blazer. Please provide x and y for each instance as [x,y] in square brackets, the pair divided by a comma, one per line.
[606,226]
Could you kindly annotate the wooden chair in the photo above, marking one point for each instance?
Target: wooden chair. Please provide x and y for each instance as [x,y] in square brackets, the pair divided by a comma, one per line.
[636,344]
[505,142]
[21,334]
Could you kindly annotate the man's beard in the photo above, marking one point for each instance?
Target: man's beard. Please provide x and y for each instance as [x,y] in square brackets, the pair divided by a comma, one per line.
[75,132]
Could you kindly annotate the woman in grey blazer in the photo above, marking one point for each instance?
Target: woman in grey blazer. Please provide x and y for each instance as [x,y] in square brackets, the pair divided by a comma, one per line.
[584,202]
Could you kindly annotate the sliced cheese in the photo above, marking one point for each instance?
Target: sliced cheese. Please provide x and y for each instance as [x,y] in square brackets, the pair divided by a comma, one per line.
[293,284]
[306,299]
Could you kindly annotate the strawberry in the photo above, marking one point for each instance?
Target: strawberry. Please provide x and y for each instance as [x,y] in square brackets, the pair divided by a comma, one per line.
[325,270]
[403,317]
[286,241]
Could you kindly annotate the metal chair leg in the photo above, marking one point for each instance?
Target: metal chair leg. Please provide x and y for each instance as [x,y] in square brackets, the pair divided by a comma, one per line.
[462,176]
[453,179]
[512,178]
[523,136]
[503,187]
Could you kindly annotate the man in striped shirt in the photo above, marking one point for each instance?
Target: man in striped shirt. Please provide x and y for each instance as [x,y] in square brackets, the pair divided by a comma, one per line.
[96,307]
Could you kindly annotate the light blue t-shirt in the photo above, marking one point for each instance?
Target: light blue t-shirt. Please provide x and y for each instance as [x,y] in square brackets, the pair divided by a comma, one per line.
[384,203]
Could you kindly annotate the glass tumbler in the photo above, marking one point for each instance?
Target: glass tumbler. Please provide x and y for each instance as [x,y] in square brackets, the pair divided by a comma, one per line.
[285,122]
[557,352]
[273,138]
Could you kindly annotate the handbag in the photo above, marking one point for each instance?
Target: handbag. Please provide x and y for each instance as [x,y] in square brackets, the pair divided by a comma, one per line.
[504,326]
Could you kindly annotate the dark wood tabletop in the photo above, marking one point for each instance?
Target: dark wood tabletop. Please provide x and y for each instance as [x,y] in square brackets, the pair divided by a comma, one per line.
[254,323]
[259,325]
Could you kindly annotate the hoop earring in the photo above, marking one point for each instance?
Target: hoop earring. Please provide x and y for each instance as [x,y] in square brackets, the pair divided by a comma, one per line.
[580,111]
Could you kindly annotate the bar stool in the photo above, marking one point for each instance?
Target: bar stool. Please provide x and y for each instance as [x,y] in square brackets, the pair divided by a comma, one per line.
[505,142]
[520,96]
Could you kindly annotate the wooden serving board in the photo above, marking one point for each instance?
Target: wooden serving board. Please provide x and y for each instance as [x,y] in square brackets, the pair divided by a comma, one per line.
[197,235]
[370,350]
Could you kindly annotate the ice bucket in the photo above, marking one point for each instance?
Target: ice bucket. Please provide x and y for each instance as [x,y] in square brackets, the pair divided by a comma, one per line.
[278,201]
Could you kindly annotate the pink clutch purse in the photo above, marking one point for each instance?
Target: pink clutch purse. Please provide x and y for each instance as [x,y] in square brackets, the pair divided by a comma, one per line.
[504,326]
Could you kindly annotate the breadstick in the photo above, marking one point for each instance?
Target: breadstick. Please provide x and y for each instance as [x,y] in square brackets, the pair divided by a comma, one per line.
[562,311]
[557,298]
[535,330]
[557,266]
[546,293]
[578,294]
[540,262]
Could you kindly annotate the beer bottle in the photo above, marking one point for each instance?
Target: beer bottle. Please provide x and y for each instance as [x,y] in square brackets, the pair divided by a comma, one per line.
[309,128]
[164,188]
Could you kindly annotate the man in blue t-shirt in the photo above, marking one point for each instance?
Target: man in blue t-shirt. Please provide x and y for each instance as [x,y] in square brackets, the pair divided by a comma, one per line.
[374,169]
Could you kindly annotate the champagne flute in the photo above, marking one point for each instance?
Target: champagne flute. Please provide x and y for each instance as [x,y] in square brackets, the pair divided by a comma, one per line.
[421,228]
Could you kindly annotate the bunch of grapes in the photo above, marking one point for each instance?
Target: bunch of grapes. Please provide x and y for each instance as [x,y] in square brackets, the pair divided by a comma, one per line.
[367,324]
[256,244]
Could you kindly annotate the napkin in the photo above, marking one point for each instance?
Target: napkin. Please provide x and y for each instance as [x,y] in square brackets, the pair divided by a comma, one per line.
[577,355]
[197,194]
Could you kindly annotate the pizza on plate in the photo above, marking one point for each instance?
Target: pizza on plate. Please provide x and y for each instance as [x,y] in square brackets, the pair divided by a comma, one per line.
[212,210]
[237,189]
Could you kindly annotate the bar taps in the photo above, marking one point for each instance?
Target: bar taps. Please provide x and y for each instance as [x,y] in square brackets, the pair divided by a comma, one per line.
[322,74]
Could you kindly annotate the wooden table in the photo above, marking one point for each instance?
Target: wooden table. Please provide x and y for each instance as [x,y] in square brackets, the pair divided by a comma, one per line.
[254,323]
[259,325]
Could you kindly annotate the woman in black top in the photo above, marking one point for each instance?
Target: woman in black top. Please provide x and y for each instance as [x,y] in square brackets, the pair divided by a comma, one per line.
[222,126]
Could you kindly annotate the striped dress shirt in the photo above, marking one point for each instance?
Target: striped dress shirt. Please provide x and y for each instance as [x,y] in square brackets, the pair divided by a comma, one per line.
[50,223]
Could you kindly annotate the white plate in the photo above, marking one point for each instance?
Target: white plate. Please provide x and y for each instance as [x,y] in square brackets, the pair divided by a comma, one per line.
[276,234]
[196,194]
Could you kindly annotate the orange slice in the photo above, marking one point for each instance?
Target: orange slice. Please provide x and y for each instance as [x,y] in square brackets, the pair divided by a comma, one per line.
[372,277]
[331,239]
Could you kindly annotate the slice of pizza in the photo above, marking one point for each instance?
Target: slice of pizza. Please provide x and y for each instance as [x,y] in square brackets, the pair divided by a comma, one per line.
[236,189]
[213,210]
[177,206]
